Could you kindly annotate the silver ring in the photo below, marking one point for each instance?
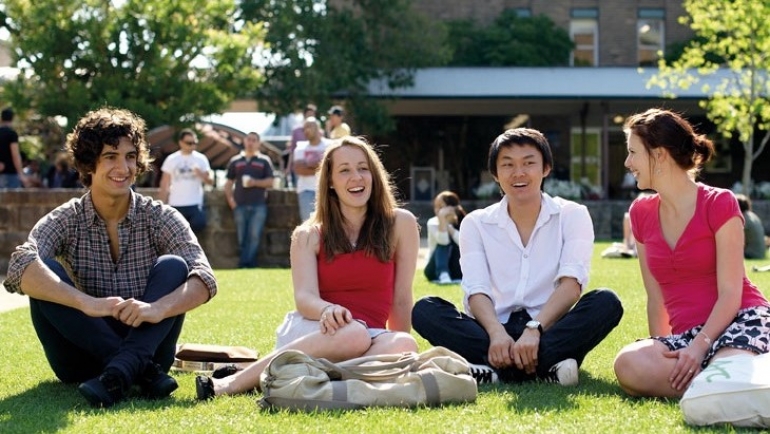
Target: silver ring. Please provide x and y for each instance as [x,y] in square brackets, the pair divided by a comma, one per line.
[691,371]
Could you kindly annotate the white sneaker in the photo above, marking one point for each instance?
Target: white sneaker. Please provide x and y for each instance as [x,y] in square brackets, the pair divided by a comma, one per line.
[564,373]
[483,374]
[444,279]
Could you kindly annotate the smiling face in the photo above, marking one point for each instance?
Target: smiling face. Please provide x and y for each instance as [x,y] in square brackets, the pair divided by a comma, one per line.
[115,170]
[638,162]
[520,172]
[351,176]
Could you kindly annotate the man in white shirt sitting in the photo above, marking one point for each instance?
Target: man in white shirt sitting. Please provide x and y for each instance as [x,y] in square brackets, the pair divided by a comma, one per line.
[525,263]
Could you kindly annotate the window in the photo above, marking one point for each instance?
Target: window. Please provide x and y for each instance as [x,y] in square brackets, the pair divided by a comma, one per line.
[586,157]
[583,29]
[523,12]
[649,31]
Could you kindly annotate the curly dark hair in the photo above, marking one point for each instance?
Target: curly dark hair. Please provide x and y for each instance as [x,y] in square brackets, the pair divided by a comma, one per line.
[106,126]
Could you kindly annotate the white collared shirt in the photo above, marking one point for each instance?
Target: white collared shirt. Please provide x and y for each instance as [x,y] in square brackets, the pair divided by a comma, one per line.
[495,262]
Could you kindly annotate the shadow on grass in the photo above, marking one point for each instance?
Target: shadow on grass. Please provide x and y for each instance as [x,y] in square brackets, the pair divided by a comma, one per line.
[43,408]
[48,407]
[537,397]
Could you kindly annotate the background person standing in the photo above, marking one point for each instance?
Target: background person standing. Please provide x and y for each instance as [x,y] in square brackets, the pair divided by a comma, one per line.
[11,175]
[335,126]
[249,175]
[307,157]
[185,172]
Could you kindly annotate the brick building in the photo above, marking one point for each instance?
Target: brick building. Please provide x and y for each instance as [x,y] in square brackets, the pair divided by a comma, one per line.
[447,119]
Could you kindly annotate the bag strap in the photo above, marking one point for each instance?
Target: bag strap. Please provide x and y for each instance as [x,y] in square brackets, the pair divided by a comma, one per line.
[339,401]
[383,367]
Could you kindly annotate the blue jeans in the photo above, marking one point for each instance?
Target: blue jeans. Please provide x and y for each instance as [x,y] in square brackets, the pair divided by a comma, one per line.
[195,215]
[249,222]
[445,258]
[575,334]
[79,347]
[10,181]
[306,200]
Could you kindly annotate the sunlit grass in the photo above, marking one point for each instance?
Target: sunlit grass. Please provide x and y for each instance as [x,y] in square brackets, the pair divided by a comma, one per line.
[249,307]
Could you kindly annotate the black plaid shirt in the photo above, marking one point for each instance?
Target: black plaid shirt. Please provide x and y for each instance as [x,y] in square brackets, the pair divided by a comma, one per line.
[76,236]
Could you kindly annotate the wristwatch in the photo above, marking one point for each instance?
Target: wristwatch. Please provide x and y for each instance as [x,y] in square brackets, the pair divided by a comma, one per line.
[534,325]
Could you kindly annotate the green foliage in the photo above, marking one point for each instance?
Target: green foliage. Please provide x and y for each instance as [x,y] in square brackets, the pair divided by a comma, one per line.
[730,36]
[248,308]
[319,52]
[510,41]
[169,61]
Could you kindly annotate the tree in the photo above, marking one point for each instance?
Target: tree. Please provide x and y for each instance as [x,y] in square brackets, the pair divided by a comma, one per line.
[510,41]
[730,35]
[321,50]
[169,61]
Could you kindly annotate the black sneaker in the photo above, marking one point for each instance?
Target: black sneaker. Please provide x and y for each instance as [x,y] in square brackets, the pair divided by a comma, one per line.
[204,388]
[106,390]
[225,371]
[155,383]
[564,373]
[483,374]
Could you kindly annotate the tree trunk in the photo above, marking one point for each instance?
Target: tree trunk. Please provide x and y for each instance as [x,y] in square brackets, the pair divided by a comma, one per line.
[748,161]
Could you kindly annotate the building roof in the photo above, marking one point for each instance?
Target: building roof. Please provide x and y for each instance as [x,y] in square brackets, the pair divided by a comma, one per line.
[535,83]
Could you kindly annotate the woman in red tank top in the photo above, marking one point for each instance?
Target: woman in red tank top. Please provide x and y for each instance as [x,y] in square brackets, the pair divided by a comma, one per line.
[352,262]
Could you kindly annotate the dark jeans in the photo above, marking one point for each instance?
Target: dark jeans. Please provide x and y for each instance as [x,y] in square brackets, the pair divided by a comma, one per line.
[195,215]
[79,347]
[444,258]
[591,319]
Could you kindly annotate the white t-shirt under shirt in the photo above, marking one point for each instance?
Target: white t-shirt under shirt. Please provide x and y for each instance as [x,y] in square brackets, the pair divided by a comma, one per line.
[185,189]
[311,154]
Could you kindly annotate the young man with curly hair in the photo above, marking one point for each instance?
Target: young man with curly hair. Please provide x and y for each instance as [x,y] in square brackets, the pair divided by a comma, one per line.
[111,274]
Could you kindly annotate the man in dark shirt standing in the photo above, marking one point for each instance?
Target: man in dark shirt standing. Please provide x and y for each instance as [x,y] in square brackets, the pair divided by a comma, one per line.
[251,173]
[11,175]
[111,274]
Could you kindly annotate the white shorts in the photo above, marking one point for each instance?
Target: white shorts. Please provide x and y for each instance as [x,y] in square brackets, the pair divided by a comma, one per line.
[295,326]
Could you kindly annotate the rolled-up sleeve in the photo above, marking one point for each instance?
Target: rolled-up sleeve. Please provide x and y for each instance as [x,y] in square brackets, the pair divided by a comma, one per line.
[577,250]
[44,241]
[476,277]
[175,237]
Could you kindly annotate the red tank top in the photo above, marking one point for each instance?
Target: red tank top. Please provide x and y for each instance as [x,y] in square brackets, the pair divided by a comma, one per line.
[359,282]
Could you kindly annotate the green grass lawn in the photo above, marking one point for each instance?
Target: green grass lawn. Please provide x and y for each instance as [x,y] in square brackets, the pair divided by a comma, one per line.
[247,310]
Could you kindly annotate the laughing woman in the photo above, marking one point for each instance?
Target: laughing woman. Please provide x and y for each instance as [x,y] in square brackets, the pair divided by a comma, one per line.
[689,237]
[352,262]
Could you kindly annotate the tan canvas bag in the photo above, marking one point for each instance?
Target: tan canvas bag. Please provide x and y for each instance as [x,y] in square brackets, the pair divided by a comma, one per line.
[296,381]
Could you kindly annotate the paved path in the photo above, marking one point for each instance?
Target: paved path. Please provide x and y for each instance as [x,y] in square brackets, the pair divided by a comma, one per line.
[10,301]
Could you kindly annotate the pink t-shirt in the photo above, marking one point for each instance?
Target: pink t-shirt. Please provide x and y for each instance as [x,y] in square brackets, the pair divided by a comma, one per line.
[687,274]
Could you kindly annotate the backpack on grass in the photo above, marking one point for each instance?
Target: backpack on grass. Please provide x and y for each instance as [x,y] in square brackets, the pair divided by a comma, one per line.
[295,381]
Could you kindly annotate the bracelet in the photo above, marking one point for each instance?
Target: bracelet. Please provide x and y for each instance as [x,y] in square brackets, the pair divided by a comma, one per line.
[705,337]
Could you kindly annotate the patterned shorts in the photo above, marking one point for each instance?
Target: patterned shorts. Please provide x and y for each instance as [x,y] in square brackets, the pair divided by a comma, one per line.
[750,330]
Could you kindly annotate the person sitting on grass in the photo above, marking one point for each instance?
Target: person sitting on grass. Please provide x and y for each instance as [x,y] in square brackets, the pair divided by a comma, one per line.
[525,263]
[111,274]
[352,267]
[443,264]
[700,304]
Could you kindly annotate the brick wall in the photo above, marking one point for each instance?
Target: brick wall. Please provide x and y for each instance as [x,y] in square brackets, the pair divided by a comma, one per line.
[21,209]
[617,19]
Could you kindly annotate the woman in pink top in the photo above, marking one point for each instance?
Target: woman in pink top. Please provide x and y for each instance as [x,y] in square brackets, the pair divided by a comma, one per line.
[352,266]
[700,304]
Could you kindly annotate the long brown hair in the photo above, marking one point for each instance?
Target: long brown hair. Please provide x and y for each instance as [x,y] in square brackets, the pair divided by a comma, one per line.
[376,232]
